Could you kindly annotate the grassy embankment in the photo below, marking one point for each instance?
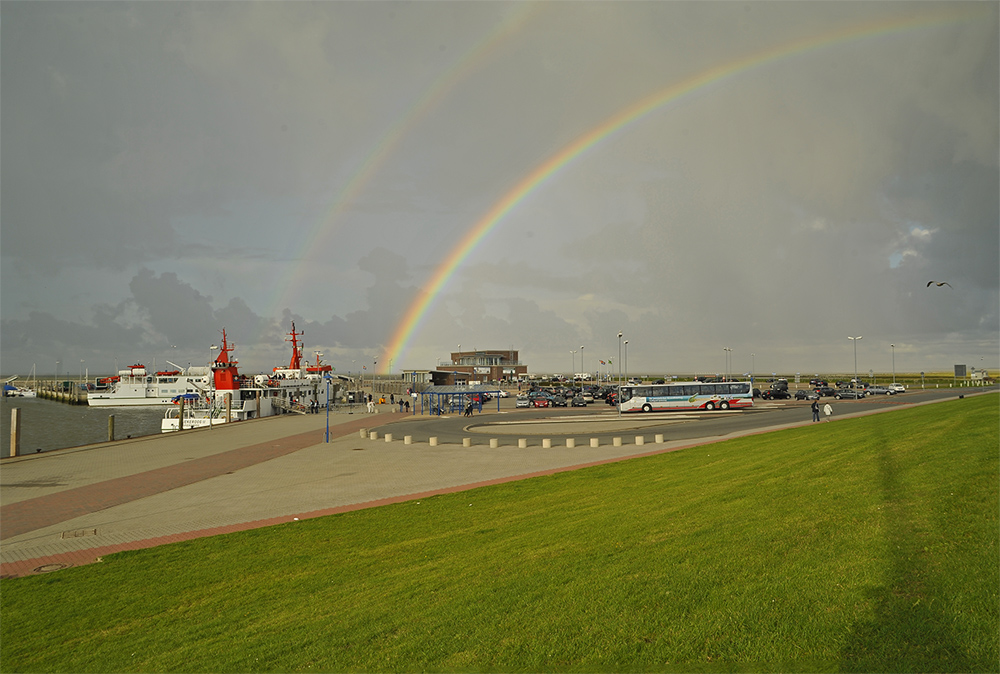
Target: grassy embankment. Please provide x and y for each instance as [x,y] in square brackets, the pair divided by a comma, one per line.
[867,544]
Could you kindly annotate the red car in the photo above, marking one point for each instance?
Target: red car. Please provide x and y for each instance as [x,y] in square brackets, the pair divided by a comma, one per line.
[541,402]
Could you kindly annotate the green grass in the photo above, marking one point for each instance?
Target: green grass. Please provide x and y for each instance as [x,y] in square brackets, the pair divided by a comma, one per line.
[868,544]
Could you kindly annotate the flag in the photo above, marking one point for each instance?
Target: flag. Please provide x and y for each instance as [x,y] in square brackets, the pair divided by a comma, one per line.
[603,363]
[364,367]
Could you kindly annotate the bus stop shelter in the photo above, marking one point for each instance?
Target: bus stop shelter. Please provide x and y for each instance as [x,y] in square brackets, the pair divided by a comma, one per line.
[454,399]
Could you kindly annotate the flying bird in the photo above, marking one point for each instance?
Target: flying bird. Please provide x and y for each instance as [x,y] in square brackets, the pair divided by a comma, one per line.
[939,283]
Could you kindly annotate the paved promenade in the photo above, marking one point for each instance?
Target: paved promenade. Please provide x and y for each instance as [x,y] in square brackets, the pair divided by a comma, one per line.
[70,507]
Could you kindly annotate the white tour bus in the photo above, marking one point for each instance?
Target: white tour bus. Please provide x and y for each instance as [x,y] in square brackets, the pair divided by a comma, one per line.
[688,395]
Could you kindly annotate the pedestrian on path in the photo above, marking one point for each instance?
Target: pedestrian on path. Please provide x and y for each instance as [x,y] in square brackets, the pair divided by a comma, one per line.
[815,409]
[827,410]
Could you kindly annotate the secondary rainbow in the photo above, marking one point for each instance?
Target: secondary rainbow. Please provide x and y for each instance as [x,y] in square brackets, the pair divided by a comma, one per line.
[432,96]
[418,309]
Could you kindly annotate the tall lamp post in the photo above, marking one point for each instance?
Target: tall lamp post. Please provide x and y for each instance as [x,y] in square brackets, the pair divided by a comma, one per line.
[626,359]
[618,393]
[893,347]
[855,340]
[581,362]
[752,369]
[728,352]
[572,372]
[326,376]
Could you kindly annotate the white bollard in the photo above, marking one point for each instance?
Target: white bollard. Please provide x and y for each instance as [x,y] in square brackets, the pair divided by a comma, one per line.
[433,442]
[617,442]
[388,437]
[373,435]
[659,437]
[595,442]
[364,432]
[571,442]
[407,439]
[639,440]
[522,443]
[467,442]
[546,443]
[494,443]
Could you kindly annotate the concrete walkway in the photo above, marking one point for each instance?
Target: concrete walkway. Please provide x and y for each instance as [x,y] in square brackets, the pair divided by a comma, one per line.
[70,507]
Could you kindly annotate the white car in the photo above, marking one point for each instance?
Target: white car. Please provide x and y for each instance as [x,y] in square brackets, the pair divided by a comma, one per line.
[896,388]
[502,394]
[522,401]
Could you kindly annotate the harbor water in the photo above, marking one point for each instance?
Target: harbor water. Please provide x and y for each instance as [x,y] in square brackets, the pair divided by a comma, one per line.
[47,425]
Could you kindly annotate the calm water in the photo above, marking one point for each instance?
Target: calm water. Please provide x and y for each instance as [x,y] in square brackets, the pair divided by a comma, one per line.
[49,425]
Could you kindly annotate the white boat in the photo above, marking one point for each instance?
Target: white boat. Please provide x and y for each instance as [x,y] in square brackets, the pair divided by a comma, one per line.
[12,391]
[235,397]
[135,386]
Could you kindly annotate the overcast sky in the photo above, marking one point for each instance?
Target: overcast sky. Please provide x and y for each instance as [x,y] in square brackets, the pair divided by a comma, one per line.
[170,169]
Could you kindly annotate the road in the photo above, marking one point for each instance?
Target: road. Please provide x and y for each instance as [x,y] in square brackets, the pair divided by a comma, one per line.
[602,421]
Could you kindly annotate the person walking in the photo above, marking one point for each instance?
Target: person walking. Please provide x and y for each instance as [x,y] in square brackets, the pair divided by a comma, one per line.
[815,409]
[827,410]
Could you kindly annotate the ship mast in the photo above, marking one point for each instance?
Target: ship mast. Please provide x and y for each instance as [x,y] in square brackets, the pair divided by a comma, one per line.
[296,362]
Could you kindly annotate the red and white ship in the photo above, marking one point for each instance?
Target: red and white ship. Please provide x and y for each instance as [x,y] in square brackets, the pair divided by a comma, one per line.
[235,397]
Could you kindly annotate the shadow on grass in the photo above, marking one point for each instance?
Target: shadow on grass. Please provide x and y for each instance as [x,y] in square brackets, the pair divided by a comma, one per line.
[907,632]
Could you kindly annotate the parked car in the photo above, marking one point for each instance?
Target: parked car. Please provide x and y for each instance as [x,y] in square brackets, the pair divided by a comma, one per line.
[522,401]
[579,402]
[854,393]
[806,395]
[557,401]
[818,382]
[502,394]
[826,391]
[776,394]
[897,388]
[588,397]
[879,391]
[542,402]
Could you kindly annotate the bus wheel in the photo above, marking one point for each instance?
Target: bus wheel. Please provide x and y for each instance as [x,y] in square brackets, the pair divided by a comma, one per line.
[647,408]
[724,405]
[710,406]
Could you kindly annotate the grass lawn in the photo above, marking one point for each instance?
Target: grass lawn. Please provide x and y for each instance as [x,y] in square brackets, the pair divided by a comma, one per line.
[866,544]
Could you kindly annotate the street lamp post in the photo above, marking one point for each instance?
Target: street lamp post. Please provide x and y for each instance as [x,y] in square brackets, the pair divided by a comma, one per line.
[618,393]
[893,347]
[752,368]
[581,362]
[626,359]
[326,376]
[572,376]
[855,340]
[728,352]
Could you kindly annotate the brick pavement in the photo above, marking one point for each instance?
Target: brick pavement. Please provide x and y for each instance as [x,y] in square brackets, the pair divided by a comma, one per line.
[43,511]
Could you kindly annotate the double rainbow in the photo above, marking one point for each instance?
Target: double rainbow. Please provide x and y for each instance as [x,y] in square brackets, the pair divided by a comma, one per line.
[418,309]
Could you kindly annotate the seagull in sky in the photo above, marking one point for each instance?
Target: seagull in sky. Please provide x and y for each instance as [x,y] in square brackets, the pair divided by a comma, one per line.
[939,284]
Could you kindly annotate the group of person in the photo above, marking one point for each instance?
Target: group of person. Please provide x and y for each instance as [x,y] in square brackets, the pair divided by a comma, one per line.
[827,410]
[404,404]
